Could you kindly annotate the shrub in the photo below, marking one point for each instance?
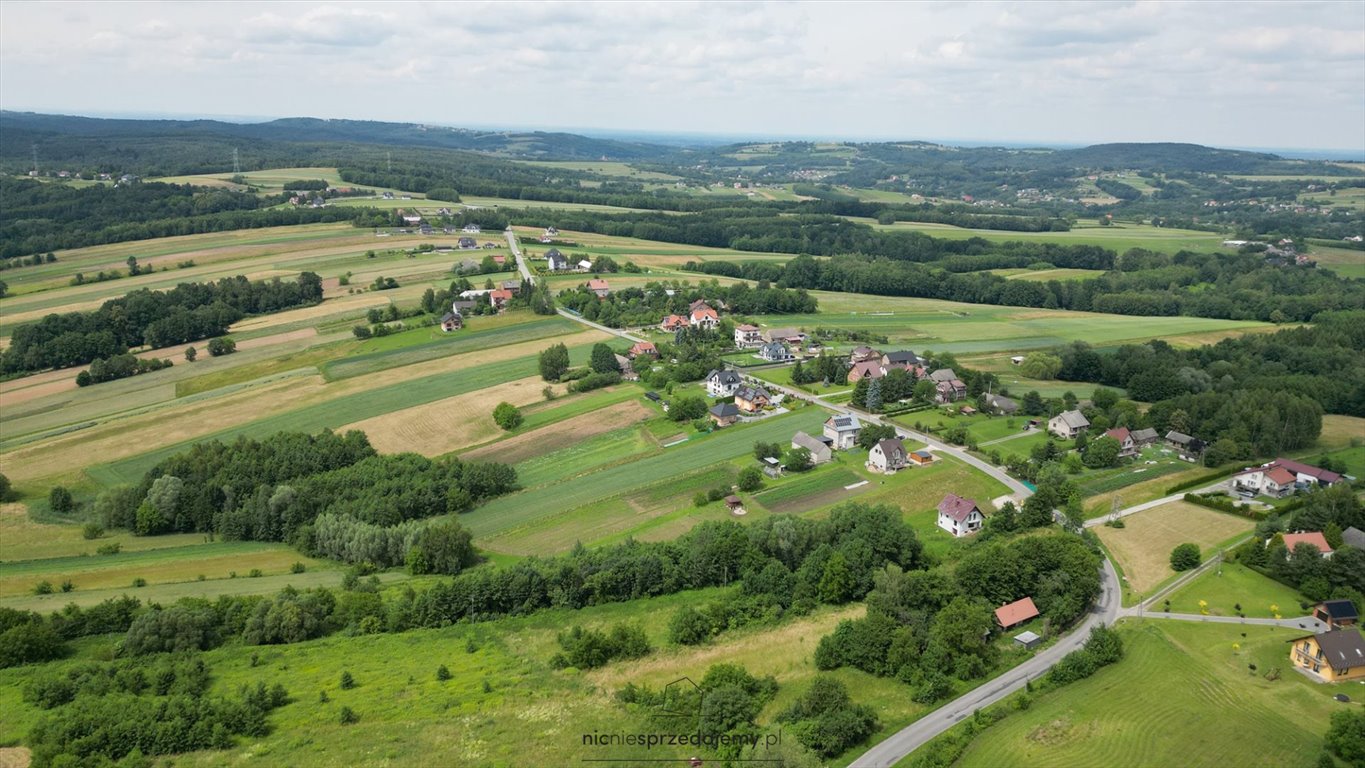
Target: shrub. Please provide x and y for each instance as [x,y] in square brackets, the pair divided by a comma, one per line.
[42,588]
[347,682]
[507,416]
[92,531]
[750,478]
[298,568]
[442,673]
[221,345]
[1185,556]
[348,716]
[112,548]
[59,499]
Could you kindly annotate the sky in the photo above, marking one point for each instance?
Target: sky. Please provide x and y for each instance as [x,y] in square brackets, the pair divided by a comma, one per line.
[1233,74]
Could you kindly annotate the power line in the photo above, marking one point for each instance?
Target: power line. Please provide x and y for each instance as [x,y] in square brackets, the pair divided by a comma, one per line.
[236,163]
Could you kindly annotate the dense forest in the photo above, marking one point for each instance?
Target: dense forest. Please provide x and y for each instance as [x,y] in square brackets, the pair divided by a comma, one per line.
[188,312]
[327,493]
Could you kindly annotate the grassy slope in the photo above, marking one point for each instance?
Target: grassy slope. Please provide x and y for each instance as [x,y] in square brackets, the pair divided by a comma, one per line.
[1181,696]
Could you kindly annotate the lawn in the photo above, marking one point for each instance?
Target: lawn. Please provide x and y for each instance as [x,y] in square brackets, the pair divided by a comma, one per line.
[1231,585]
[1119,237]
[1183,695]
[1143,546]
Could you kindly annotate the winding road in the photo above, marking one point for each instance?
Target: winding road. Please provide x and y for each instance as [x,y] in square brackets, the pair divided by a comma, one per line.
[1105,611]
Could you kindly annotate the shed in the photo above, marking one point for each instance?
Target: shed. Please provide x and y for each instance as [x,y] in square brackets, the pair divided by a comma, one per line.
[1028,639]
[734,504]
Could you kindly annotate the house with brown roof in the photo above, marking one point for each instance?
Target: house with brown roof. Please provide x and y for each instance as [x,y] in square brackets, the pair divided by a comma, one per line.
[922,458]
[643,348]
[863,354]
[451,321]
[498,298]
[789,336]
[1332,657]
[599,287]
[1282,477]
[1144,437]
[1016,613]
[867,369]
[1311,538]
[958,516]
[752,399]
[948,388]
[887,456]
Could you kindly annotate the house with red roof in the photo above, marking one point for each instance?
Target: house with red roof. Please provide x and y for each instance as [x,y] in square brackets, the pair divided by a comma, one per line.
[673,323]
[867,369]
[1127,447]
[643,348]
[498,298]
[703,316]
[1311,538]
[1016,613]
[958,516]
[599,287]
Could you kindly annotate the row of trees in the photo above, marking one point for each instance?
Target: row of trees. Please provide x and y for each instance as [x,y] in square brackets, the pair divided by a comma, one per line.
[650,304]
[188,312]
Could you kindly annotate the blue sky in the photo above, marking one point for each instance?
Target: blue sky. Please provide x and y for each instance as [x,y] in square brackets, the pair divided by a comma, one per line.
[1246,74]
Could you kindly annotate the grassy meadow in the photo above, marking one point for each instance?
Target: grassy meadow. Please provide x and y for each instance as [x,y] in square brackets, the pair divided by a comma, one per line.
[1184,694]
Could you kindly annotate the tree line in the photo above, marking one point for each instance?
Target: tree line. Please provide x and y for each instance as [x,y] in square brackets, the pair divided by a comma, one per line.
[648,305]
[188,312]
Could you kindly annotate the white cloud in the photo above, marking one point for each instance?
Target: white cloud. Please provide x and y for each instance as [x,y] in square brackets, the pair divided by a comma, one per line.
[1027,72]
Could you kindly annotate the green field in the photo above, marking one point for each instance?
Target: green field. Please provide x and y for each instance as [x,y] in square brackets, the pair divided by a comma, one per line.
[1182,695]
[1230,585]
[1119,237]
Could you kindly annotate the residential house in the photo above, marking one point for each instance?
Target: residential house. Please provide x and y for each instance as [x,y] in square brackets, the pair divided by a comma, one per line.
[752,399]
[585,265]
[820,452]
[958,516]
[922,458]
[775,352]
[488,246]
[499,298]
[1353,537]
[469,229]
[722,383]
[599,287]
[467,243]
[1306,474]
[1186,447]
[451,321]
[546,239]
[556,260]
[1124,438]
[748,336]
[843,430]
[1337,613]
[1311,538]
[866,369]
[863,354]
[724,414]
[462,306]
[500,260]
[1068,425]
[412,218]
[905,360]
[790,336]
[887,456]
[1016,613]
[1333,656]
[442,211]
[1270,480]
[948,388]
[702,315]
[551,232]
[1000,405]
[511,285]
[643,348]
[673,323]
[1144,437]
[627,370]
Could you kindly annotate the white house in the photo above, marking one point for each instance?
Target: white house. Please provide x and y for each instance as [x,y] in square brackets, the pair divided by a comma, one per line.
[887,456]
[775,352]
[959,516]
[1068,425]
[747,336]
[843,430]
[722,383]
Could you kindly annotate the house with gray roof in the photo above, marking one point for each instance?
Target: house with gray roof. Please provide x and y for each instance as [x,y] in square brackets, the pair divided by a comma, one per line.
[1068,425]
[820,451]
[842,429]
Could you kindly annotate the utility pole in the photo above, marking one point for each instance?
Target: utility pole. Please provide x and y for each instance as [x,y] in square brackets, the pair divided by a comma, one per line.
[390,157]
[35,159]
[236,162]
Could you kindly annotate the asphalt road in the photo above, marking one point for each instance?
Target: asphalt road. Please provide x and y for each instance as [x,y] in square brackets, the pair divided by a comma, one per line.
[908,739]
[516,253]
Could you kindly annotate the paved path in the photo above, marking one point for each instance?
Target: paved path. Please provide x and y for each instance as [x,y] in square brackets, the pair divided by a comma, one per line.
[613,331]
[915,735]
[1007,438]
[516,254]
[1306,623]
[1094,521]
